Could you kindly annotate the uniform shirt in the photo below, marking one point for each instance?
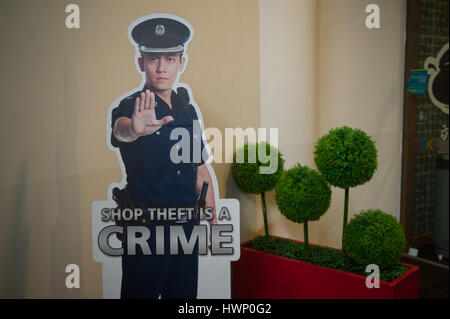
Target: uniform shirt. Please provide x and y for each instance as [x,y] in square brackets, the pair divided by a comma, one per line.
[149,168]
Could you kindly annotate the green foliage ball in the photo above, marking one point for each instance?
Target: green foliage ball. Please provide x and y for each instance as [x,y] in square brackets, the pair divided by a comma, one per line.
[374,237]
[247,174]
[302,194]
[346,157]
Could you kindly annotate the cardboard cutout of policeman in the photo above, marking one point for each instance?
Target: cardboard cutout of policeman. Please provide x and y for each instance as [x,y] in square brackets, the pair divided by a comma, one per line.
[163,215]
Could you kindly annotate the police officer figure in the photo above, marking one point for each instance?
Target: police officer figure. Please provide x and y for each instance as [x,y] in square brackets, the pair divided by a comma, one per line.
[141,125]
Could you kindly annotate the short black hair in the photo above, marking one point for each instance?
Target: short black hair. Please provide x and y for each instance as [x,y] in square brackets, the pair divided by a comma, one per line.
[158,54]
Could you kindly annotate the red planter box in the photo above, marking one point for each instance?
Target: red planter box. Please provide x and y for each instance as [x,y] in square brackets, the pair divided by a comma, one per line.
[260,275]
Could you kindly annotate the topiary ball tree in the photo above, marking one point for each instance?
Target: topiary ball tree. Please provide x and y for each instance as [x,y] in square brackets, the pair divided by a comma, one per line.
[374,237]
[346,157]
[302,194]
[256,169]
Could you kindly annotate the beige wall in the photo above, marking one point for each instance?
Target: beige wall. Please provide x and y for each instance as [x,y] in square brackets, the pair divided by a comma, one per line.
[303,66]
[57,85]
[289,83]
[361,85]
[321,68]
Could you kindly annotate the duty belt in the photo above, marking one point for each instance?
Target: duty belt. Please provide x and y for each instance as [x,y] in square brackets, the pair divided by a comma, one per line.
[124,199]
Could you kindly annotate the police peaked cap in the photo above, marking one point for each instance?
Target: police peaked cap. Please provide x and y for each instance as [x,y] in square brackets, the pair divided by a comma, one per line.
[160,35]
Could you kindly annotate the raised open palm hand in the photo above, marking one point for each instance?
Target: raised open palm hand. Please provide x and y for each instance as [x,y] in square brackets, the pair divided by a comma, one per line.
[143,120]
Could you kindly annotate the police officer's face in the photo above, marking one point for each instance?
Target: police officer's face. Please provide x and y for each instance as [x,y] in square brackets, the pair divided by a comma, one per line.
[161,71]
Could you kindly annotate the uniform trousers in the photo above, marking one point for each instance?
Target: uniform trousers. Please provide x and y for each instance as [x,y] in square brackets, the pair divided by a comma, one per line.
[166,276]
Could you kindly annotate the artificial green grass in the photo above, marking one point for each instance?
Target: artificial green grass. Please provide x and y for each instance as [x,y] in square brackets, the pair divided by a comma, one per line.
[321,256]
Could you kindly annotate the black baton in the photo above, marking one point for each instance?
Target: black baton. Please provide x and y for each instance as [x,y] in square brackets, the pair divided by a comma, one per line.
[201,201]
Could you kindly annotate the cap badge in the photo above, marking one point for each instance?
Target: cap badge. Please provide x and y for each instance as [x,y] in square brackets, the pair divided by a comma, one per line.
[160,30]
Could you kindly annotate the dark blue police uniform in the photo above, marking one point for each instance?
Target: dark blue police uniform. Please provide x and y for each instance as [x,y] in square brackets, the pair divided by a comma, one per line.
[150,171]
[155,180]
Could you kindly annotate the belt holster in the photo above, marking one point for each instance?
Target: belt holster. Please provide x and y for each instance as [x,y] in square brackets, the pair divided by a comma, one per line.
[124,200]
